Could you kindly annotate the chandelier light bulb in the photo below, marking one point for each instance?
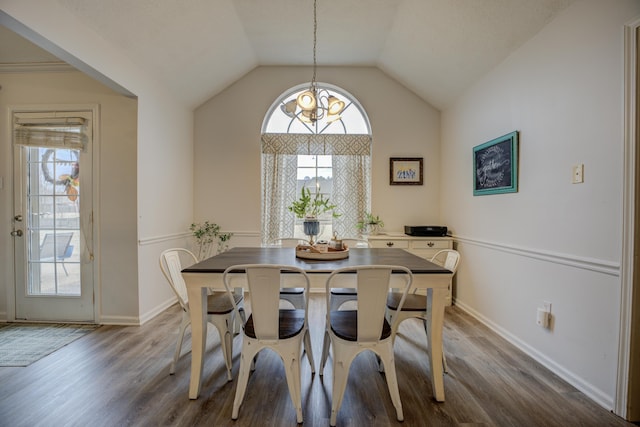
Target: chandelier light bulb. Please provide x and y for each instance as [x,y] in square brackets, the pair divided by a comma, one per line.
[307,100]
[335,105]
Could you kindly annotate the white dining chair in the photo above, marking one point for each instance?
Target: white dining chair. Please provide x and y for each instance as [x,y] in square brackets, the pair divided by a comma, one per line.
[220,311]
[295,296]
[284,331]
[343,295]
[350,332]
[415,305]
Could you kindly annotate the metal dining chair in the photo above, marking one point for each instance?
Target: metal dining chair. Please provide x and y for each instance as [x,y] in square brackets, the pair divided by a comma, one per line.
[284,331]
[350,332]
[343,295]
[220,311]
[415,305]
[295,296]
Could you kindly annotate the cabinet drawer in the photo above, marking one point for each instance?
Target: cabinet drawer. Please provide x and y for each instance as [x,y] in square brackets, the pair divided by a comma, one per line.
[401,244]
[430,244]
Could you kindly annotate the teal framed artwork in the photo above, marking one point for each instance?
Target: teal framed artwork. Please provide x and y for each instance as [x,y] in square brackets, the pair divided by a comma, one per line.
[495,166]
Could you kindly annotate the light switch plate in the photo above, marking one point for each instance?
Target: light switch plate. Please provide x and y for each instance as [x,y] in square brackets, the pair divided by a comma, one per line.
[578,174]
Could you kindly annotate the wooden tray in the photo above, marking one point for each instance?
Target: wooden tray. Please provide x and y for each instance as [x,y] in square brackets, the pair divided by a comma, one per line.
[327,256]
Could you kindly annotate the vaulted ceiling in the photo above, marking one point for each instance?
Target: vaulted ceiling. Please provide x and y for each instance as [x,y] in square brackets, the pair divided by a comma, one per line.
[436,48]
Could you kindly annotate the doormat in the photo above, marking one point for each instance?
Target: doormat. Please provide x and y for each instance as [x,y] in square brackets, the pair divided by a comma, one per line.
[21,344]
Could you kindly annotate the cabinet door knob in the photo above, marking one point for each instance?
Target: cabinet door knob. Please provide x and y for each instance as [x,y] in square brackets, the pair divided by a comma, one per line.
[389,244]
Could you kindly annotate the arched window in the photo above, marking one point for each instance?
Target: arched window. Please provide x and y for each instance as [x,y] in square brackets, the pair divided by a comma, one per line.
[329,155]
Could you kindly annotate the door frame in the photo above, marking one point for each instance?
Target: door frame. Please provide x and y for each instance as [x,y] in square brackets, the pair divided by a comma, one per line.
[630,224]
[95,162]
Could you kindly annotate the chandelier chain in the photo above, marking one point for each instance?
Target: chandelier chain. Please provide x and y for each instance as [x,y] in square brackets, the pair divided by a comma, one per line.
[315,30]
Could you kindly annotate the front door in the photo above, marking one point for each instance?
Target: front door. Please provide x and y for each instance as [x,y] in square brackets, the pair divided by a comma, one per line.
[53,221]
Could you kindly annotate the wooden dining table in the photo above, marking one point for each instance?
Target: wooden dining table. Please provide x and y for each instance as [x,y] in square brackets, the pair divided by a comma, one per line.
[208,274]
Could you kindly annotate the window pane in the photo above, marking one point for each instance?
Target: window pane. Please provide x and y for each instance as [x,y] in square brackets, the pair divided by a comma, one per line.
[306,161]
[324,161]
[325,173]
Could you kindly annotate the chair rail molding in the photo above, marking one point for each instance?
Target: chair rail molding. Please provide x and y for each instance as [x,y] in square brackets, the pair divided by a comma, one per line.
[164,238]
[187,234]
[601,266]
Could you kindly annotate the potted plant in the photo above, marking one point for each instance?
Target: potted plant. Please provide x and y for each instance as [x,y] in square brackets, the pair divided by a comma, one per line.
[371,224]
[309,207]
[205,234]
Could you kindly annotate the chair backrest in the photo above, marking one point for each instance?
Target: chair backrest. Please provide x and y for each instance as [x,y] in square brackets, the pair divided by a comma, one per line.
[356,243]
[447,258]
[55,245]
[171,266]
[372,283]
[288,242]
[264,282]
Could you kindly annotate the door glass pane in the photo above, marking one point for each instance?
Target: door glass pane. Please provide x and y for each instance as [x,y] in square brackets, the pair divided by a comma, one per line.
[53,222]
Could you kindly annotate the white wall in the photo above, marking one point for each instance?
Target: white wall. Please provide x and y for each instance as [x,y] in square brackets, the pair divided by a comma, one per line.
[563,92]
[227,146]
[115,174]
[164,159]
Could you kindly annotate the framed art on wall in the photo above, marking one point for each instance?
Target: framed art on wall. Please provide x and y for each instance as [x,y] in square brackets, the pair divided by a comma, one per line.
[405,171]
[495,166]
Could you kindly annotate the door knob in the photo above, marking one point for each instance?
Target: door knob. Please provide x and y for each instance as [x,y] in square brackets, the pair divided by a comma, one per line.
[16,233]
[18,218]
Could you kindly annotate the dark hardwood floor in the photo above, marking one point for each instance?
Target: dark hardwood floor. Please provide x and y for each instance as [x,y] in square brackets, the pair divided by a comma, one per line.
[119,376]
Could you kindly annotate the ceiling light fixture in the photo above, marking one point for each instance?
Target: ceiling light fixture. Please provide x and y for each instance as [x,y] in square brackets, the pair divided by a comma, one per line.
[314,104]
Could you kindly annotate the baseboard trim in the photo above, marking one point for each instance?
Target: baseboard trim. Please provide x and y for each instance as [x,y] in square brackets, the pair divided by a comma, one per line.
[585,387]
[119,320]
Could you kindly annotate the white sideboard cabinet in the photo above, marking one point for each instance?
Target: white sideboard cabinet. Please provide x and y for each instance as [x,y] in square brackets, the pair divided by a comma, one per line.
[424,247]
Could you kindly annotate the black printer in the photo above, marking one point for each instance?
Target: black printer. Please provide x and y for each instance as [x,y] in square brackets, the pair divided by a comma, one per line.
[425,230]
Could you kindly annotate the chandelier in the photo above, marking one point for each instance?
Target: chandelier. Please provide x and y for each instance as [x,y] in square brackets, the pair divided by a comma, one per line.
[314,104]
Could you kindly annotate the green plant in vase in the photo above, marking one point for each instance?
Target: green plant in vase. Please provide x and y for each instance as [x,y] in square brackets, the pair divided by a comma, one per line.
[309,207]
[371,224]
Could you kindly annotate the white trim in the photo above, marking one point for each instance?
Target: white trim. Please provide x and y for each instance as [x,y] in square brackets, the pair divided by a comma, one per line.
[592,264]
[184,235]
[588,389]
[628,214]
[36,67]
[145,317]
[120,320]
[165,238]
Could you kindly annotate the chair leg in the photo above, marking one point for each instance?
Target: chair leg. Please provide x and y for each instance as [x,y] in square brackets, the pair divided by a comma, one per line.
[64,268]
[246,360]
[326,343]
[341,365]
[392,380]
[176,355]
[292,373]
[309,351]
[224,324]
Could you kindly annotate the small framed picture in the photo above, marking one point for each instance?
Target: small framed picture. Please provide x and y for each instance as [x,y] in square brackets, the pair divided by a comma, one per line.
[405,171]
[495,166]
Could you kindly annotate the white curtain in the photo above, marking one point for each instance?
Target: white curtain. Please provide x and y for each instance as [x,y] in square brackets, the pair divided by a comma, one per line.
[351,154]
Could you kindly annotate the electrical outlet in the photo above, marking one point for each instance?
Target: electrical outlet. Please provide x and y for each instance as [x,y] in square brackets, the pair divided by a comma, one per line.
[578,174]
